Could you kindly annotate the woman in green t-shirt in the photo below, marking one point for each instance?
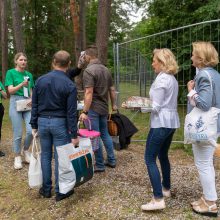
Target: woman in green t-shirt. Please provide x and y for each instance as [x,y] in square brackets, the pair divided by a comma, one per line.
[3,94]
[20,83]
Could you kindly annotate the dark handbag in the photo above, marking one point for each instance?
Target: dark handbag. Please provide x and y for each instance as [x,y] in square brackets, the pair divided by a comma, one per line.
[112,127]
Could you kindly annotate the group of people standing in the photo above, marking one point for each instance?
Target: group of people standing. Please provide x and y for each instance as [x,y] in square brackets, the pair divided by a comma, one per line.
[203,94]
[54,116]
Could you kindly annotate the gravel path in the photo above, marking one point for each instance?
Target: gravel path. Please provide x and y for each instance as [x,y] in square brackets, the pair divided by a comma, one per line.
[116,194]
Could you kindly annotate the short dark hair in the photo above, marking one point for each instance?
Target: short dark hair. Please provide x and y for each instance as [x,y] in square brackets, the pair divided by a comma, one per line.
[61,58]
[92,51]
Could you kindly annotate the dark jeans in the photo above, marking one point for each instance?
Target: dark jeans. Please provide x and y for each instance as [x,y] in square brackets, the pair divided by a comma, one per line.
[53,132]
[158,144]
[99,123]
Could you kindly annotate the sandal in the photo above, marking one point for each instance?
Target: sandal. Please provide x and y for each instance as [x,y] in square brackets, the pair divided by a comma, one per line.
[209,210]
[198,202]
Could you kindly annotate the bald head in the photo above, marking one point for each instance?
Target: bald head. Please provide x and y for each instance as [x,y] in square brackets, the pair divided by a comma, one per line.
[61,59]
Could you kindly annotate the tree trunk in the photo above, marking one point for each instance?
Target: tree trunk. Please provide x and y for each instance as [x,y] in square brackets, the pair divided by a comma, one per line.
[4,37]
[103,27]
[74,9]
[17,26]
[78,14]
[82,21]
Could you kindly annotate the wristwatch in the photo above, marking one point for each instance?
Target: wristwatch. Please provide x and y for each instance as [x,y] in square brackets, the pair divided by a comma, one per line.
[0,89]
[85,112]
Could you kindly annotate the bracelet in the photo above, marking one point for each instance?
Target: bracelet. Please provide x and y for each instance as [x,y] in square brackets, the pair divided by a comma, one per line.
[85,112]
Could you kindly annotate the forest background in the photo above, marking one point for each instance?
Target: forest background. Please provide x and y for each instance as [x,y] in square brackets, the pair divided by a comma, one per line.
[40,28]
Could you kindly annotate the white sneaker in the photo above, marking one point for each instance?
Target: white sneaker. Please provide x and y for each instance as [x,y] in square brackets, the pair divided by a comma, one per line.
[154,205]
[18,163]
[27,156]
[166,193]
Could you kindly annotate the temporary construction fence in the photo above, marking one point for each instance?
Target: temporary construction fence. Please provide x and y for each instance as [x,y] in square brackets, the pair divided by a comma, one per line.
[133,73]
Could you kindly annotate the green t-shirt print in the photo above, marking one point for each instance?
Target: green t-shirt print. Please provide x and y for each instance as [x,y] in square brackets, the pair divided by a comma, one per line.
[3,88]
[14,78]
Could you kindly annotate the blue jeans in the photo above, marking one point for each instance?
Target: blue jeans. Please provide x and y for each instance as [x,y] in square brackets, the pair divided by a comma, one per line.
[52,132]
[158,144]
[17,119]
[99,123]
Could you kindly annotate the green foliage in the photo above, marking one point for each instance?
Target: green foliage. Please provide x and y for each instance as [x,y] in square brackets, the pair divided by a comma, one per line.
[47,26]
[91,21]
[170,14]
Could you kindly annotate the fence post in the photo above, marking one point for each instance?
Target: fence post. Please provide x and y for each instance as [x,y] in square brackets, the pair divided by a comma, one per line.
[117,78]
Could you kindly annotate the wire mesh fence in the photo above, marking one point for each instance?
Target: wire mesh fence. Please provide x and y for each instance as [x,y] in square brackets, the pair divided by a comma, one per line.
[133,73]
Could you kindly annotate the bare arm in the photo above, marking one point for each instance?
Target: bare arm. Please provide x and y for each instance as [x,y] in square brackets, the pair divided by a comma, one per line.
[30,103]
[88,98]
[87,102]
[13,89]
[113,98]
[4,94]
[31,92]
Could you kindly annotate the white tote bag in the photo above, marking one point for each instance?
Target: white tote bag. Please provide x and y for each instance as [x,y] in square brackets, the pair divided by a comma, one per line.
[35,178]
[201,127]
[75,164]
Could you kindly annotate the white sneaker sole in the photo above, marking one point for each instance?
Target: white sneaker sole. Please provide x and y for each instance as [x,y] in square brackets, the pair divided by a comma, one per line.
[18,168]
[153,206]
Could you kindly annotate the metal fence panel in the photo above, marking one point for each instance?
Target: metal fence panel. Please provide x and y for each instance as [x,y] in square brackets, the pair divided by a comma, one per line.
[134,74]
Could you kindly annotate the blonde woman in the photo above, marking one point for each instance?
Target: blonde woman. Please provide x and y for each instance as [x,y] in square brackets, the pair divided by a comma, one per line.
[20,83]
[164,121]
[204,94]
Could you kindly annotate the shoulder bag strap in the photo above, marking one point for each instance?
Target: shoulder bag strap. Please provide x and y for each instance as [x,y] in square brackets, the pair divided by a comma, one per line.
[213,91]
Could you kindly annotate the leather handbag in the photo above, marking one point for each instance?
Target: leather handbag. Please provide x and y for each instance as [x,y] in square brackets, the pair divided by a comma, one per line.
[112,127]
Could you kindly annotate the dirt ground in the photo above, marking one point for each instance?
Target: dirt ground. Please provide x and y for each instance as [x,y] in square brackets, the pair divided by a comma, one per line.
[116,194]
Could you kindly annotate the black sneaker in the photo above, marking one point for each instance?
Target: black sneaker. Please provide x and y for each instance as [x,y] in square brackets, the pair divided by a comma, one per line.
[98,170]
[2,154]
[61,196]
[44,194]
[110,165]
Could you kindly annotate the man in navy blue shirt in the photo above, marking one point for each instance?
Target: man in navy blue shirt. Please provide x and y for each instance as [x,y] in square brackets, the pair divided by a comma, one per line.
[54,117]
